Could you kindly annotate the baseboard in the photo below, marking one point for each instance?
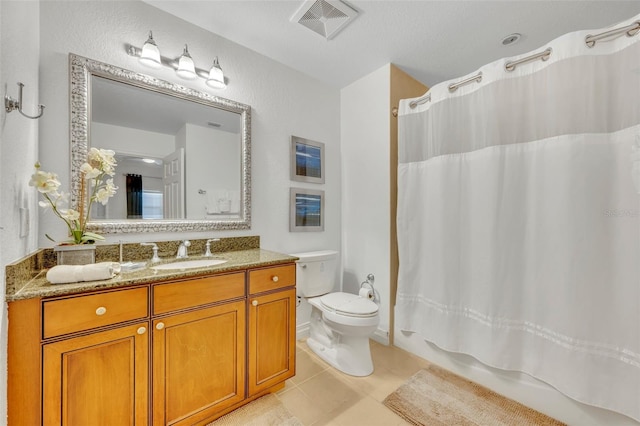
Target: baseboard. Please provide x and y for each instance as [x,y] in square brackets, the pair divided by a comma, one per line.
[381,336]
[302,331]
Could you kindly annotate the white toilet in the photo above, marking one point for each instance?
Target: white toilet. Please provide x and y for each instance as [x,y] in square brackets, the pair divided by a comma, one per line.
[341,323]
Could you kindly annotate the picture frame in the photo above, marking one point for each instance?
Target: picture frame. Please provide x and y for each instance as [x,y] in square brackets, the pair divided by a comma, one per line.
[306,210]
[307,160]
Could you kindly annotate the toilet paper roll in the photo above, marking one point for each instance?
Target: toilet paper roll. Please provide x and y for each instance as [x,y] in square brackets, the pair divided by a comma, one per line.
[367,293]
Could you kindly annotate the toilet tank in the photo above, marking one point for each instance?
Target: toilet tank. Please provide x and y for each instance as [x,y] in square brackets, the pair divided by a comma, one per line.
[316,272]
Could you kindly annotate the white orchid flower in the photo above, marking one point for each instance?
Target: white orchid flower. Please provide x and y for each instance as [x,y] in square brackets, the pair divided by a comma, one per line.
[45,182]
[69,214]
[102,159]
[100,163]
[90,172]
[108,191]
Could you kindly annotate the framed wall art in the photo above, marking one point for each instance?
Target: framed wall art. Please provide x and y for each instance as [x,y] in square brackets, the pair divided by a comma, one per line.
[307,160]
[306,210]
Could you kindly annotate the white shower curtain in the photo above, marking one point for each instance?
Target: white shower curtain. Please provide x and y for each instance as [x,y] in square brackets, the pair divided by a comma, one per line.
[518,219]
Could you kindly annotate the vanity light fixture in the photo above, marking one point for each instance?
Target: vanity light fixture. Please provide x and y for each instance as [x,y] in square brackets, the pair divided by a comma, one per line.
[184,66]
[150,55]
[216,76]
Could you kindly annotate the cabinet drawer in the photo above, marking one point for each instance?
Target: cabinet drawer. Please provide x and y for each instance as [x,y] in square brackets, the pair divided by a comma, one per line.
[80,313]
[187,294]
[266,279]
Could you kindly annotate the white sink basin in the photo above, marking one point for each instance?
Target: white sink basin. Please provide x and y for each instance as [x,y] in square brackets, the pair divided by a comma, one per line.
[189,264]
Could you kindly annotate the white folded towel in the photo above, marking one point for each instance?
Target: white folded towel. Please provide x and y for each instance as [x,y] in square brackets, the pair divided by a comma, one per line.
[77,273]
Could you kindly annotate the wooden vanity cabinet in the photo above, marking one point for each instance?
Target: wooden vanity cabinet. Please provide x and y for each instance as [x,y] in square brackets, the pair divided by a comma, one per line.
[198,352]
[91,377]
[272,327]
[169,353]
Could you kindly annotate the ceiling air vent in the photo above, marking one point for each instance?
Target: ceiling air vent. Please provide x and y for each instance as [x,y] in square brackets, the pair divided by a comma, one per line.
[325,17]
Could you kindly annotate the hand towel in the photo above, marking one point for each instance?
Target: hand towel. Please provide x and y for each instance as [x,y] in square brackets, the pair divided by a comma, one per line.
[77,273]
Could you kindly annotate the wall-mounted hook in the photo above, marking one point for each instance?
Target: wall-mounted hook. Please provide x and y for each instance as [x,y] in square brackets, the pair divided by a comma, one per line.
[10,104]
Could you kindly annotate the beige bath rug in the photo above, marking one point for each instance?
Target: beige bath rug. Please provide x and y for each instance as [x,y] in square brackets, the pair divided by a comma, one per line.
[264,411]
[435,396]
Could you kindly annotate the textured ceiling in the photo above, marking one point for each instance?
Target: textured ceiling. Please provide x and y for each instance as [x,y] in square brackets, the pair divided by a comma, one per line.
[431,40]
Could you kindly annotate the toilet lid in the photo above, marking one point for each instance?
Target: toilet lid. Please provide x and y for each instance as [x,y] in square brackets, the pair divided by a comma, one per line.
[349,304]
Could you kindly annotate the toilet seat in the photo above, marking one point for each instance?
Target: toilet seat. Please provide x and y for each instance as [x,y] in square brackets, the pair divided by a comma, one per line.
[351,305]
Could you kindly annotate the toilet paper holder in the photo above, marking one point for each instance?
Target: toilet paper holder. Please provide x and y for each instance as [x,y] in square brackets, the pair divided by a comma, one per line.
[369,283]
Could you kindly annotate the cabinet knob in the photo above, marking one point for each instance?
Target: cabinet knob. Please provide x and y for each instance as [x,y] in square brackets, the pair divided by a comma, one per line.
[159,326]
[101,310]
[275,278]
[254,303]
[142,330]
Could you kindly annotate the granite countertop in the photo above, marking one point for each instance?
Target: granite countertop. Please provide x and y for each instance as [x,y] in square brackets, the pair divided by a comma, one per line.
[39,287]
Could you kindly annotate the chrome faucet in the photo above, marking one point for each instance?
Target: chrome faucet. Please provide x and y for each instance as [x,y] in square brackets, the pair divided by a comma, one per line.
[182,249]
[154,247]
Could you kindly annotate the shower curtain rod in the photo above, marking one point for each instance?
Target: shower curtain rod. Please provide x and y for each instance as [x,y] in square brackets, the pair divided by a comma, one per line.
[631,30]
[590,41]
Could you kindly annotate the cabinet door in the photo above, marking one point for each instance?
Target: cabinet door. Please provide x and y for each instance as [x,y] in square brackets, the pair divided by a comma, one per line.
[272,339]
[98,379]
[198,363]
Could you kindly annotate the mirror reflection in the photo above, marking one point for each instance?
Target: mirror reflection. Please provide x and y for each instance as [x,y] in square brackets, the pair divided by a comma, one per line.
[176,159]
[183,155]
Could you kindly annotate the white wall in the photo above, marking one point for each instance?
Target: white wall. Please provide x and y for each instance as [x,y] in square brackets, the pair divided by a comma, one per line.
[283,101]
[19,47]
[365,129]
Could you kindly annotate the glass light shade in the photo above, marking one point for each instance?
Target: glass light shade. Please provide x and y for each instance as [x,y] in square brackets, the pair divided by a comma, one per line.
[186,67]
[150,55]
[216,76]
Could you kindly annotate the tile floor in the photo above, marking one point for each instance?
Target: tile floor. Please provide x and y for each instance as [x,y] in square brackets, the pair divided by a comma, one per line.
[321,395]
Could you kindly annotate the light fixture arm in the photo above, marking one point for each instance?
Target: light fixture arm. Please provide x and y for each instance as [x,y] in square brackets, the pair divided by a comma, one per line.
[11,104]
